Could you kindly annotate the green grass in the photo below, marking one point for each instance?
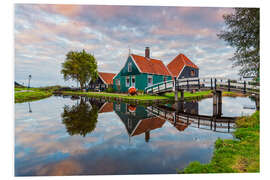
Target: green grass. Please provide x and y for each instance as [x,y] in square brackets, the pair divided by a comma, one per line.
[189,95]
[22,95]
[240,155]
[123,96]
[145,97]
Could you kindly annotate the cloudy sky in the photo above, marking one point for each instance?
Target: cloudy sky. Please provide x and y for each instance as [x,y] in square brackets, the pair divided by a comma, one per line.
[45,33]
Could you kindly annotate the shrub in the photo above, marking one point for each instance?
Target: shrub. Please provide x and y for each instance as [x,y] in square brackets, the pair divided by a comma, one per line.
[110,90]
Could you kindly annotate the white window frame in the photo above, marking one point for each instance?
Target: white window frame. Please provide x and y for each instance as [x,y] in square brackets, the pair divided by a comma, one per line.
[127,83]
[133,77]
[148,77]
[117,82]
[129,67]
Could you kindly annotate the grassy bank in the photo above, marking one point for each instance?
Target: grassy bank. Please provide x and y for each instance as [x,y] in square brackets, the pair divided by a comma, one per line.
[146,98]
[32,94]
[201,94]
[142,97]
[241,155]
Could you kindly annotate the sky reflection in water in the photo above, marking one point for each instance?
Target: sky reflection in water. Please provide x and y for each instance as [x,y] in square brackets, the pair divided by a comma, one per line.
[57,138]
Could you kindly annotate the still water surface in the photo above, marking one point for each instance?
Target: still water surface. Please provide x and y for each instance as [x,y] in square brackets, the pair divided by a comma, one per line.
[64,136]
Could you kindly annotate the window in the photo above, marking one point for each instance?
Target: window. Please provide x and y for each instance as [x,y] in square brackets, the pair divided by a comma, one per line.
[117,82]
[133,81]
[127,81]
[129,67]
[192,73]
[117,107]
[150,80]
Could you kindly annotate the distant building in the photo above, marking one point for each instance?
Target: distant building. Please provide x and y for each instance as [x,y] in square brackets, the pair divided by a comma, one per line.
[104,81]
[182,67]
[140,72]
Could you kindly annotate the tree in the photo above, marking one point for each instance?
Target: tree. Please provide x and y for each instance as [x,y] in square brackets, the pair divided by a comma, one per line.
[81,118]
[80,66]
[243,33]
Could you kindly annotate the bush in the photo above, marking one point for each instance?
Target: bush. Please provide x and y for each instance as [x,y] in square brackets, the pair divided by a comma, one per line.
[140,91]
[110,90]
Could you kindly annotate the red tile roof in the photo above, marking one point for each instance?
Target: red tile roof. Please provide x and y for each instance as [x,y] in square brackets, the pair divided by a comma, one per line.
[178,63]
[107,77]
[149,124]
[107,107]
[150,66]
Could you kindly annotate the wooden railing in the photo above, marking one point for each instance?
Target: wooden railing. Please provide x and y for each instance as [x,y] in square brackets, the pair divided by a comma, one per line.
[205,83]
[194,120]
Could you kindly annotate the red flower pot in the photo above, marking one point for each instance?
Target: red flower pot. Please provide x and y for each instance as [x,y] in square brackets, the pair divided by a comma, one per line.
[132,91]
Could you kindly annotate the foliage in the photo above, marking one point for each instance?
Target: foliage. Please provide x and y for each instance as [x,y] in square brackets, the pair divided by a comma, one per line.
[80,66]
[110,90]
[243,34]
[241,155]
[50,88]
[80,119]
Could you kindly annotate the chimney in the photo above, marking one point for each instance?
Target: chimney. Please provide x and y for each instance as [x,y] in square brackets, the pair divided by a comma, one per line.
[147,52]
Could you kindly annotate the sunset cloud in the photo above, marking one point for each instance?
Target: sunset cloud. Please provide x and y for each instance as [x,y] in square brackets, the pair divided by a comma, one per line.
[44,34]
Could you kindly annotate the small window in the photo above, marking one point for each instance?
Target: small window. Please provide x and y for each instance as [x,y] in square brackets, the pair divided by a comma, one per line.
[192,73]
[117,82]
[150,80]
[129,67]
[133,81]
[127,81]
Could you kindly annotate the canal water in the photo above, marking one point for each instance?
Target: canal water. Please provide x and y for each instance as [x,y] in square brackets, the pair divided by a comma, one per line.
[65,136]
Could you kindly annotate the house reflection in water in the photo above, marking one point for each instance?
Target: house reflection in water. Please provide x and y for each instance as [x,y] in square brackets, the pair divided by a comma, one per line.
[138,120]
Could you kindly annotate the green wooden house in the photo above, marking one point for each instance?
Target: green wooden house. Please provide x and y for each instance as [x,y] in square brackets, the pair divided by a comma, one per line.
[140,72]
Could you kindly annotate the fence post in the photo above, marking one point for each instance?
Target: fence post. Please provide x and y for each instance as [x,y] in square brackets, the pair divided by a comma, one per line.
[211,83]
[187,85]
[229,85]
[199,83]
[215,83]
[245,86]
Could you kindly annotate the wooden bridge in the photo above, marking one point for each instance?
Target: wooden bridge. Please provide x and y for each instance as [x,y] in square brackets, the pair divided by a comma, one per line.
[182,119]
[217,85]
[189,84]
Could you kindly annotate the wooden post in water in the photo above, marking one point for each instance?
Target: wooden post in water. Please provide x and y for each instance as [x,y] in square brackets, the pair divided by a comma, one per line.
[257,101]
[229,85]
[214,103]
[245,87]
[175,90]
[147,136]
[219,96]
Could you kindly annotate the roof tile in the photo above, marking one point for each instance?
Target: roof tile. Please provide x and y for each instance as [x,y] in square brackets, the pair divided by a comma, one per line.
[107,77]
[151,66]
[178,63]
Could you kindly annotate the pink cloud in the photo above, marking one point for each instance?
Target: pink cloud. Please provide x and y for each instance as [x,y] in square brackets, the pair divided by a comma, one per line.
[176,27]
[66,10]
